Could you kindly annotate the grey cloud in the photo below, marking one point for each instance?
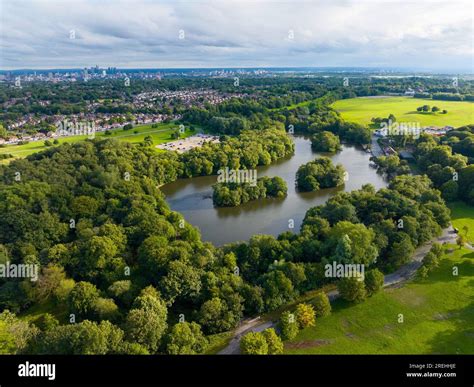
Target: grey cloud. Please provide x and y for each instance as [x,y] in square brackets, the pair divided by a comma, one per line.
[35,33]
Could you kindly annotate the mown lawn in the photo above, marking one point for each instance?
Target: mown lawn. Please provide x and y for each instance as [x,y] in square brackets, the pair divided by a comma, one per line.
[160,135]
[362,110]
[462,215]
[438,315]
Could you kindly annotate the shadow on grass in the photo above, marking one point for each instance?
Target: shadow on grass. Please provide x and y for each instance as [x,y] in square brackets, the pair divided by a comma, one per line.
[444,273]
[459,340]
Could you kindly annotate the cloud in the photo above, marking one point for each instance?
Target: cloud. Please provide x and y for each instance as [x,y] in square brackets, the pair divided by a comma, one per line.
[145,33]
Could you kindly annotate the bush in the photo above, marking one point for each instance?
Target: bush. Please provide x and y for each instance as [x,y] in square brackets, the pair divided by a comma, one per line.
[274,343]
[185,338]
[288,326]
[305,315]
[261,343]
[253,343]
[352,289]
[106,309]
[373,281]
[321,305]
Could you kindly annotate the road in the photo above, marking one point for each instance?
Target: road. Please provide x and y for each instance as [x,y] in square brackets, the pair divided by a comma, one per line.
[404,273]
[375,147]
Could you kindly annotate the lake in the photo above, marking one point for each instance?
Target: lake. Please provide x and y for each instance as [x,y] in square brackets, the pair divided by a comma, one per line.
[193,197]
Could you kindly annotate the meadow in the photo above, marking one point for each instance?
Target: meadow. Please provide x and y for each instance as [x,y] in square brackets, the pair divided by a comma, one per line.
[162,133]
[361,110]
[462,215]
[438,317]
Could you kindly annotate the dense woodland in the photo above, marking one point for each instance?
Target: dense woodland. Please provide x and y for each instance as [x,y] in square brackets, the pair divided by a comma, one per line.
[446,160]
[325,142]
[318,174]
[115,257]
[235,194]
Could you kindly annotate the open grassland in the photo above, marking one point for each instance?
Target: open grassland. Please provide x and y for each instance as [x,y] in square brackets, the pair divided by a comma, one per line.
[462,216]
[361,110]
[162,133]
[438,317]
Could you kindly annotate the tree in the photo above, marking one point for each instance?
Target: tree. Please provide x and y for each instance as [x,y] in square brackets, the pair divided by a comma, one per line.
[128,348]
[430,260]
[253,300]
[318,174]
[17,334]
[49,280]
[461,240]
[360,238]
[97,253]
[288,326]
[321,305]
[278,289]
[253,343]
[305,315]
[343,252]
[466,184]
[106,309]
[146,321]
[181,281]
[352,289]
[374,280]
[153,255]
[3,132]
[449,190]
[325,142]
[84,338]
[47,322]
[121,291]
[63,290]
[82,299]
[148,141]
[84,206]
[274,343]
[185,338]
[214,316]
[401,251]
[437,248]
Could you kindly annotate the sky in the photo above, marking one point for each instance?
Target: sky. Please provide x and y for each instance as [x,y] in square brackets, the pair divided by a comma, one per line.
[423,34]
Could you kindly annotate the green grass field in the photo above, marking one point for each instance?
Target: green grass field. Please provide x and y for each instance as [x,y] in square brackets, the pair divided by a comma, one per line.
[463,215]
[438,317]
[362,110]
[160,135]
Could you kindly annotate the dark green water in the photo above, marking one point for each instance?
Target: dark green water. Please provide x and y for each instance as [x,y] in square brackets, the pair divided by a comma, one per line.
[192,197]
